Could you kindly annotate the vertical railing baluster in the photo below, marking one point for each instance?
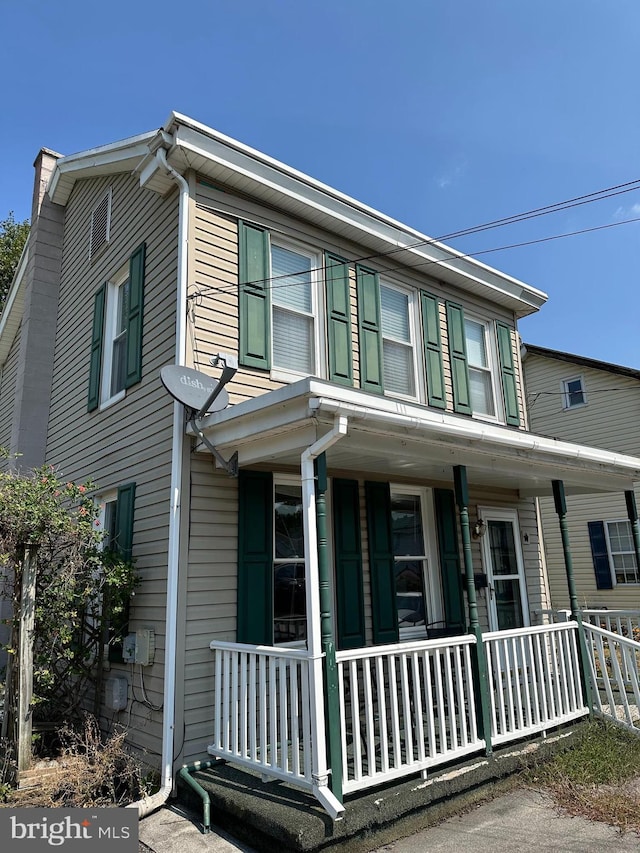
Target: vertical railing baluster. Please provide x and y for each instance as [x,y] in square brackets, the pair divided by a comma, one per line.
[343,721]
[461,715]
[443,739]
[537,717]
[355,719]
[428,682]
[395,717]
[381,690]
[225,699]
[470,692]
[370,730]
[306,719]
[417,705]
[407,721]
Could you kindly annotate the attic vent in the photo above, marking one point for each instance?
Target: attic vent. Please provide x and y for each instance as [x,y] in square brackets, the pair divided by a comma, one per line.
[100,225]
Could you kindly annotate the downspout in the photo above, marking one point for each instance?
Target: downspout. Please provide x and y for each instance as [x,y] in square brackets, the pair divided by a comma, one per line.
[149,804]
[320,771]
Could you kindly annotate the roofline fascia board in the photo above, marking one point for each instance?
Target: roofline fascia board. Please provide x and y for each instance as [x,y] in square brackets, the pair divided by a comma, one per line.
[306,190]
[7,313]
[357,405]
[582,360]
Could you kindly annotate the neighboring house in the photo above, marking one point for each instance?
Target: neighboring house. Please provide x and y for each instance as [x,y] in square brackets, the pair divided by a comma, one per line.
[384,359]
[580,399]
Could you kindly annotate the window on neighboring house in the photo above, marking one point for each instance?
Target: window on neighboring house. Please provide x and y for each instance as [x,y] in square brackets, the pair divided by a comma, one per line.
[398,351]
[295,339]
[116,341]
[480,361]
[289,596]
[573,391]
[621,552]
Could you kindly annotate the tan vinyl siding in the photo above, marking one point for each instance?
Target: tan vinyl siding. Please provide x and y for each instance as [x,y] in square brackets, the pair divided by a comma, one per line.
[7,395]
[129,441]
[609,419]
[580,510]
[213,318]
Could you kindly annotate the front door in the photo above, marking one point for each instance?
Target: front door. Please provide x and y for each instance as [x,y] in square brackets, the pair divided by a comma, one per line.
[502,557]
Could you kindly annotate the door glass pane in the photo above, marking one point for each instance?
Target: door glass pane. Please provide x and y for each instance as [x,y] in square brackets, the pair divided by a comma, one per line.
[289,603]
[503,548]
[508,604]
[406,526]
[410,593]
[410,565]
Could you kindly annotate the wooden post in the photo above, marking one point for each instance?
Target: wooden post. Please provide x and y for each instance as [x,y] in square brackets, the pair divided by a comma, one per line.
[481,677]
[332,697]
[25,657]
[561,511]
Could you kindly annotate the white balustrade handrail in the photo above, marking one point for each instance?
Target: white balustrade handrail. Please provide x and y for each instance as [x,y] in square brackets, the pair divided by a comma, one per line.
[268,651]
[634,645]
[532,629]
[614,661]
[412,646]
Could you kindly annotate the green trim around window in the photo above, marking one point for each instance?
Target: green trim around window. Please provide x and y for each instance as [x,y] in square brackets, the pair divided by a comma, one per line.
[450,568]
[255,558]
[254,296]
[381,563]
[369,330]
[348,564]
[135,317]
[338,319]
[97,339]
[436,393]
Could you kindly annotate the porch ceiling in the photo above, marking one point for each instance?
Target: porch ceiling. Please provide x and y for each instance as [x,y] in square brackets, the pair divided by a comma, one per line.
[392,439]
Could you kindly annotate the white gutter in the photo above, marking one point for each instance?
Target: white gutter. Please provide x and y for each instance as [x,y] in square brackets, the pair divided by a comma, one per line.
[150,804]
[319,768]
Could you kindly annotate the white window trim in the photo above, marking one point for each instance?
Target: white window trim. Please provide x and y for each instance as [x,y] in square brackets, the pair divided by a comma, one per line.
[488,513]
[565,393]
[493,368]
[110,325]
[282,374]
[433,595]
[414,331]
[610,552]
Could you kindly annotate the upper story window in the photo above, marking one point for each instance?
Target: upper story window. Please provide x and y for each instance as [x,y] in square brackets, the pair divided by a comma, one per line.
[573,393]
[481,366]
[294,300]
[114,372]
[398,348]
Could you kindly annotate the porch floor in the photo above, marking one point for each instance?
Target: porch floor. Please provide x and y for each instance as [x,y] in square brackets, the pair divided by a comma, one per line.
[274,816]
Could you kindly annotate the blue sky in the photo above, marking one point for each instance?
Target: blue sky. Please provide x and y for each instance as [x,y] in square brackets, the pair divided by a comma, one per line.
[444,115]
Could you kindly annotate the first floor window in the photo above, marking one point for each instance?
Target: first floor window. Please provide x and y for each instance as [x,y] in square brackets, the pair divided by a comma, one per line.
[293,297]
[289,594]
[397,341]
[621,551]
[479,360]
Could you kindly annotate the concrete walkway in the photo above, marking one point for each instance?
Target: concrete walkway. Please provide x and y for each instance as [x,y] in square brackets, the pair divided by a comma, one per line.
[512,823]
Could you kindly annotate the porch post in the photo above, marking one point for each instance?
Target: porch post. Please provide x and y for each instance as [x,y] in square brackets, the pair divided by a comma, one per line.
[480,674]
[561,511]
[332,698]
[632,512]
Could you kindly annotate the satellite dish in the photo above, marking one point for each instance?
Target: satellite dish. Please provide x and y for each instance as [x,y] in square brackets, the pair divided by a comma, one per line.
[194,389]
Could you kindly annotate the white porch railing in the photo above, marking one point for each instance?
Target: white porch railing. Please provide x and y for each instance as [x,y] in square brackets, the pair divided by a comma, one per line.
[262,710]
[623,622]
[615,675]
[534,679]
[405,708]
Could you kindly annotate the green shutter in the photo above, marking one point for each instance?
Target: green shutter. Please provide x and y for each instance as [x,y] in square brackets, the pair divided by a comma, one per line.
[458,359]
[338,319]
[508,375]
[381,563]
[369,330]
[124,519]
[600,555]
[97,334]
[348,563]
[134,321]
[450,569]
[255,558]
[436,395]
[254,297]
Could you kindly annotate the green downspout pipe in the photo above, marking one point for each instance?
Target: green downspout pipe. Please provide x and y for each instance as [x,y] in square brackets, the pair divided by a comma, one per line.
[185,774]
[480,674]
[332,696]
[561,511]
[632,512]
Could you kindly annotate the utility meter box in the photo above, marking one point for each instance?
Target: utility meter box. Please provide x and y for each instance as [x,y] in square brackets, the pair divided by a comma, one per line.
[145,646]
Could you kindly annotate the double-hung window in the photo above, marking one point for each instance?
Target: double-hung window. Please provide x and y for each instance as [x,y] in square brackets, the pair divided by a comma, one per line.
[398,346]
[480,363]
[621,552]
[114,371]
[294,301]
[573,393]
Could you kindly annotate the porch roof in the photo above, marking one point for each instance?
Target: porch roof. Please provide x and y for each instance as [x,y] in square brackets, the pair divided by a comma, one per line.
[394,439]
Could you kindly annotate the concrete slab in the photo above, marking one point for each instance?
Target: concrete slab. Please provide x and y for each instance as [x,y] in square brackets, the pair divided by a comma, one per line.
[516,823]
[176,829]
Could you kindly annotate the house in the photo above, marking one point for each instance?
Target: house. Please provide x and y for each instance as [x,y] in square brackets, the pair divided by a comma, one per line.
[379,546]
[574,398]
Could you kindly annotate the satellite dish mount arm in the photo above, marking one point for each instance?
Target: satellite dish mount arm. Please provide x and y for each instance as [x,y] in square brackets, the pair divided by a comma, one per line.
[229,368]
